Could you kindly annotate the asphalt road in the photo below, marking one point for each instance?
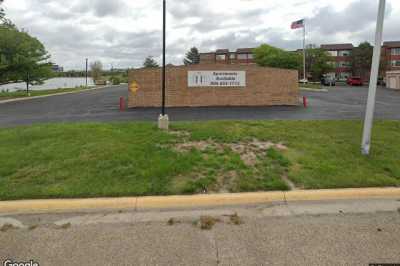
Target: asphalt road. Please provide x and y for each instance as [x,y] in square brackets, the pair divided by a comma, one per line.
[102,105]
[317,233]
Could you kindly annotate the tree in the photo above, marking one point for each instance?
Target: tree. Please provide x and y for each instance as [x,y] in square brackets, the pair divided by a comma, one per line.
[270,56]
[1,10]
[3,20]
[318,62]
[362,59]
[192,57]
[22,57]
[96,69]
[149,62]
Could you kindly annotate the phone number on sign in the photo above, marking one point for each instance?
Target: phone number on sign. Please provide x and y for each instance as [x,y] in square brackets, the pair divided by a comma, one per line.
[225,83]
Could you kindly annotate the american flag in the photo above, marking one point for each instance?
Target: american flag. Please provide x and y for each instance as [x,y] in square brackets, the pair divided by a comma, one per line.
[297,24]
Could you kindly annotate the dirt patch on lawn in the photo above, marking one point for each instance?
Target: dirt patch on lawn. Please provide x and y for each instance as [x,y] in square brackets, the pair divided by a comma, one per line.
[248,151]
[225,181]
[198,145]
[179,133]
[238,166]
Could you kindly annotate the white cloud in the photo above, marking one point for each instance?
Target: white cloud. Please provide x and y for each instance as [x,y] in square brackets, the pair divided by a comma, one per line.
[124,32]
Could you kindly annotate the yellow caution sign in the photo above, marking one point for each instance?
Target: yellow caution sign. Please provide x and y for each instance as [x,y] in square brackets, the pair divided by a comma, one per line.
[133,87]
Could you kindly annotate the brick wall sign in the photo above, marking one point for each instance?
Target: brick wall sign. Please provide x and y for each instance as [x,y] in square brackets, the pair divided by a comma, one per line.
[217,78]
[214,85]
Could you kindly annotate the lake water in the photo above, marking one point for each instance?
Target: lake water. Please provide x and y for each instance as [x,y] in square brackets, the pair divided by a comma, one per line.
[54,83]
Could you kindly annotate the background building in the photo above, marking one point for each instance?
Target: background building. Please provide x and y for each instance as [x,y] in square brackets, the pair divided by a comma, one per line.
[57,68]
[243,56]
[391,53]
[341,53]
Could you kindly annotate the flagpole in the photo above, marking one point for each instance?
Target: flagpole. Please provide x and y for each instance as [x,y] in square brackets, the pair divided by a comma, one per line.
[304,51]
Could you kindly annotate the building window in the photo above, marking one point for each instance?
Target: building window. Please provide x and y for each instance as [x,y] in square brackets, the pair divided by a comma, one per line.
[250,56]
[331,75]
[221,57]
[344,64]
[242,56]
[395,51]
[344,53]
[396,63]
[232,56]
[332,53]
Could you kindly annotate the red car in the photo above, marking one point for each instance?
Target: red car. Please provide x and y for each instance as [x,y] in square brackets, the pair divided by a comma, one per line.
[354,81]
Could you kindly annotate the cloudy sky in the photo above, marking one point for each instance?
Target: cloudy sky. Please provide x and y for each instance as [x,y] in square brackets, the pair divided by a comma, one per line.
[123,32]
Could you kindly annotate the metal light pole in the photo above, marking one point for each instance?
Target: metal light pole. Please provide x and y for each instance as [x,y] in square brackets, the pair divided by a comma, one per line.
[163,70]
[369,115]
[27,83]
[86,72]
[163,120]
[304,51]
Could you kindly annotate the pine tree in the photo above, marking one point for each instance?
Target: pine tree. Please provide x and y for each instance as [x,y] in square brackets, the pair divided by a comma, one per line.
[5,22]
[150,62]
[192,57]
[2,14]
[1,10]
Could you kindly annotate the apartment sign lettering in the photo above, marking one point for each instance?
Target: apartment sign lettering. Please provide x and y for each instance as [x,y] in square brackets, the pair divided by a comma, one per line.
[216,78]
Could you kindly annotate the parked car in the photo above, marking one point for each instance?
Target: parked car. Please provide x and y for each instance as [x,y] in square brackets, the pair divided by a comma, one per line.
[354,81]
[381,82]
[328,81]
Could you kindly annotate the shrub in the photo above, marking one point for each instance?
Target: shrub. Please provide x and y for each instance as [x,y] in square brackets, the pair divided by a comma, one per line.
[115,80]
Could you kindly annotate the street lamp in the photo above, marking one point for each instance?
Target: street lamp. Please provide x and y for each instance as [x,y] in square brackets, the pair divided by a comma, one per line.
[369,114]
[86,72]
[163,120]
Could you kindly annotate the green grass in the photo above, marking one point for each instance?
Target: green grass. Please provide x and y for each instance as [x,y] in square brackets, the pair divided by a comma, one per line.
[310,86]
[128,159]
[22,94]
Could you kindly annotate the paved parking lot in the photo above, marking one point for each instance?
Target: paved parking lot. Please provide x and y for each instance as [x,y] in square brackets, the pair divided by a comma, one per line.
[102,105]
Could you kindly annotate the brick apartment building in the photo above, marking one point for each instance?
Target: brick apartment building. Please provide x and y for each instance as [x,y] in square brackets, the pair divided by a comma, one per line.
[242,56]
[391,53]
[342,58]
[341,54]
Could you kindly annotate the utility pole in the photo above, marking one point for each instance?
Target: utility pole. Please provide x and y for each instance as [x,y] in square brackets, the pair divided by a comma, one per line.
[369,114]
[163,120]
[86,72]
[304,52]
[27,83]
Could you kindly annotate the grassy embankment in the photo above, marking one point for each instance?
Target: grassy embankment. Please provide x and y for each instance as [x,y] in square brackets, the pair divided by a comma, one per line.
[311,86]
[127,159]
[22,93]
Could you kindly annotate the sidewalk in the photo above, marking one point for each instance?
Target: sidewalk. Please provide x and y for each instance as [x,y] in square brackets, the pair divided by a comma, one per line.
[339,232]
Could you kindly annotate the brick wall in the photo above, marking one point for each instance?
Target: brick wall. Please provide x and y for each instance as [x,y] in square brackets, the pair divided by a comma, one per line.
[264,87]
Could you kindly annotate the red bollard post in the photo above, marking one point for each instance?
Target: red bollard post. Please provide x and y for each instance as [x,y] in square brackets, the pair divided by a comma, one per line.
[305,101]
[121,104]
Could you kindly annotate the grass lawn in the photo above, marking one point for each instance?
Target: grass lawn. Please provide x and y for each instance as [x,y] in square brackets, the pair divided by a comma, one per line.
[311,86]
[22,94]
[127,159]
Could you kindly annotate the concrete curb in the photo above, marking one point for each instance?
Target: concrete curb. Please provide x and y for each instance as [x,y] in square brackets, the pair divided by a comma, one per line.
[51,95]
[195,201]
